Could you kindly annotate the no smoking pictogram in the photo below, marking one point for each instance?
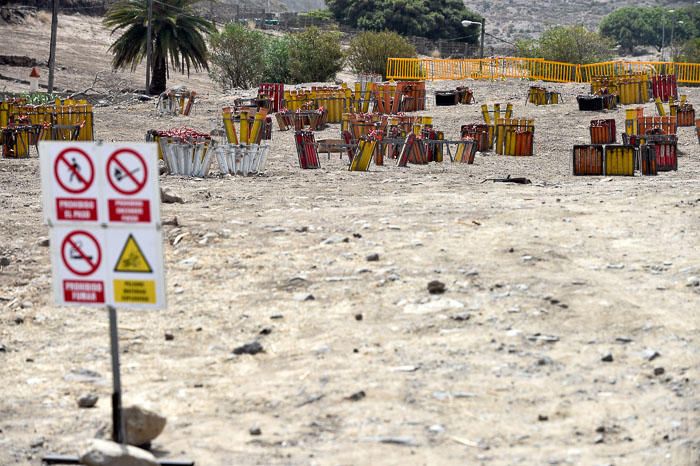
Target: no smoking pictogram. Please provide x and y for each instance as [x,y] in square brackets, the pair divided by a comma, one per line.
[81,253]
[126,171]
[74,170]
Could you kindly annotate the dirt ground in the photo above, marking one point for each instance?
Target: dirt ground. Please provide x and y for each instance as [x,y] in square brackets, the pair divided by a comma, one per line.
[503,368]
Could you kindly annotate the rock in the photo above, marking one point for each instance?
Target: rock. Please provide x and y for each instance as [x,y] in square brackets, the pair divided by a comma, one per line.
[542,417]
[436,287]
[358,317]
[659,371]
[88,400]
[169,336]
[265,331]
[335,239]
[303,297]
[357,396]
[26,305]
[436,429]
[462,316]
[607,357]
[142,426]
[168,198]
[374,257]
[543,338]
[407,441]
[249,348]
[43,242]
[144,98]
[255,430]
[650,354]
[4,261]
[106,453]
[3,349]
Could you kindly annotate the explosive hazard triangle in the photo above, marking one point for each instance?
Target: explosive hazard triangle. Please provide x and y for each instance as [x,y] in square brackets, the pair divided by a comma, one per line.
[132,259]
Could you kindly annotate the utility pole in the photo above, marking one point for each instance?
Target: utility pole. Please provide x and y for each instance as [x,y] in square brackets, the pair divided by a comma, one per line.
[149,46]
[52,50]
[483,25]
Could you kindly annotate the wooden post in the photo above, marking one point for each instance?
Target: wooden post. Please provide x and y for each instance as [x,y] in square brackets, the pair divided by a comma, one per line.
[52,50]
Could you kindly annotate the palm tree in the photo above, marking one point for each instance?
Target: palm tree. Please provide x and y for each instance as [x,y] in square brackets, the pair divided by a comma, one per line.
[177,34]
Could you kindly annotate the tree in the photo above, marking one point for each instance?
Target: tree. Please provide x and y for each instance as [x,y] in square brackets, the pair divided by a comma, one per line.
[632,27]
[369,51]
[237,57]
[178,37]
[428,18]
[570,44]
[314,55]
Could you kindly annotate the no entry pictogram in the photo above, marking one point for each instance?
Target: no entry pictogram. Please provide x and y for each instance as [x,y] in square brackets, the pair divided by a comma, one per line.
[74,170]
[81,253]
[126,171]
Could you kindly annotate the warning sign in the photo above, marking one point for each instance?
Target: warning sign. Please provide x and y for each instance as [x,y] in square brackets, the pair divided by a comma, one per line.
[102,202]
[74,170]
[83,291]
[79,265]
[70,182]
[135,291]
[132,258]
[81,253]
[126,171]
[132,190]
[135,263]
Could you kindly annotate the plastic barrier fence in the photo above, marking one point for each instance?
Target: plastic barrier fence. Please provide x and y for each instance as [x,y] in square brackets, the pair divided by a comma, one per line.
[531,68]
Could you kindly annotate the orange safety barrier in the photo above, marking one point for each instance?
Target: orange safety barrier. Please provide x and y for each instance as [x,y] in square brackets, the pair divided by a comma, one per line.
[531,68]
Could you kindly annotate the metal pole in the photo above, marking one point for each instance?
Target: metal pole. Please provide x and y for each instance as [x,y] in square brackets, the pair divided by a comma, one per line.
[483,25]
[149,47]
[52,50]
[117,420]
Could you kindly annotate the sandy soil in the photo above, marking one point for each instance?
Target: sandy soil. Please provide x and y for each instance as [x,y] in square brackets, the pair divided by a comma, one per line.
[504,368]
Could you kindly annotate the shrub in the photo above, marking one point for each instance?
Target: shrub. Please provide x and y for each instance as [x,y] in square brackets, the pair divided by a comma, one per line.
[369,51]
[237,57]
[314,55]
[276,60]
[572,44]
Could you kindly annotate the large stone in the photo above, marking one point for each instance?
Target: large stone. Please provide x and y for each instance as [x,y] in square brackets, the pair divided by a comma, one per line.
[142,425]
[106,453]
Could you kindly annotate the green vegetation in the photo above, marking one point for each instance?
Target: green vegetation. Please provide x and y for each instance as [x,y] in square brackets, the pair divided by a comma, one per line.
[243,58]
[237,57]
[178,36]
[632,27]
[369,51]
[315,55]
[435,20]
[570,44]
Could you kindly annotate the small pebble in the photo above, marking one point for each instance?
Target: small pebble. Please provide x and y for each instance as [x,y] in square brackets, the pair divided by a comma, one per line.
[169,336]
[436,287]
[607,357]
[374,257]
[255,430]
[88,401]
[358,317]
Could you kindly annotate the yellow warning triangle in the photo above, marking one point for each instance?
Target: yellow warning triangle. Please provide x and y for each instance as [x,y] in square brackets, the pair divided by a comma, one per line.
[132,258]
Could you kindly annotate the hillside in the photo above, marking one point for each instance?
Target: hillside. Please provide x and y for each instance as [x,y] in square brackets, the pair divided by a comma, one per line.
[515,19]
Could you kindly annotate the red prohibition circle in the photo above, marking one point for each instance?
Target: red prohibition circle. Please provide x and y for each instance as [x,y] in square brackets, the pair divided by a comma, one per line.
[138,184]
[94,264]
[86,183]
